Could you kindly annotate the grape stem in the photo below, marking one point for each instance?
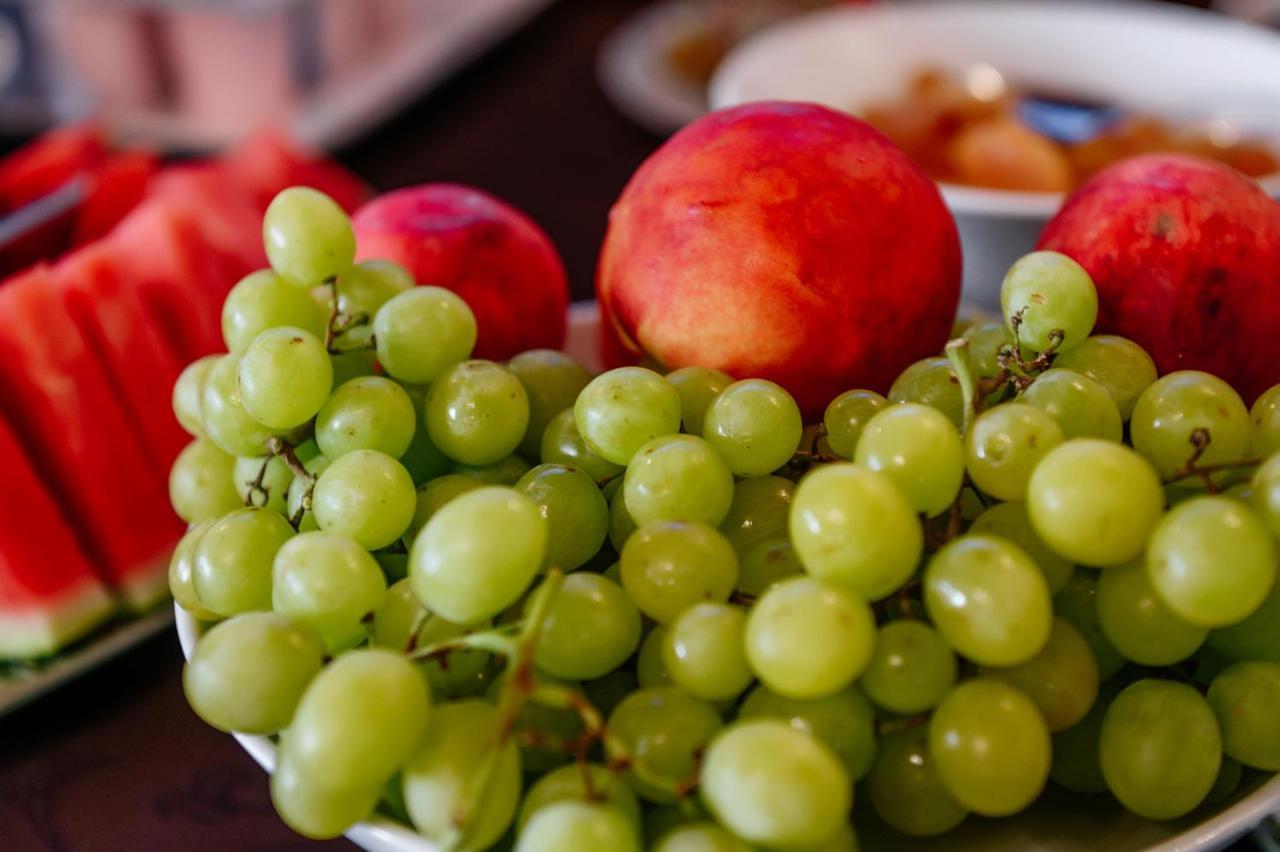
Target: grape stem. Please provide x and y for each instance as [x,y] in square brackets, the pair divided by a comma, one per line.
[1200,440]
[340,323]
[257,485]
[277,446]
[890,726]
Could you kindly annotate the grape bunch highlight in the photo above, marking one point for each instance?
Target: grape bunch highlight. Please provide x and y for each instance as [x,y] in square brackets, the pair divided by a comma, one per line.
[520,605]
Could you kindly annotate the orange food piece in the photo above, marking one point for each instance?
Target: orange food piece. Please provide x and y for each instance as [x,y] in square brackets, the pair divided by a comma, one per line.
[1002,154]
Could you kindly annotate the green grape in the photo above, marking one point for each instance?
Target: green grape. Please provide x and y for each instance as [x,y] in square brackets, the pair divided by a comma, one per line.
[182,572]
[1256,637]
[1245,698]
[366,495]
[911,668]
[844,721]
[314,809]
[755,425]
[370,413]
[393,626]
[576,512]
[552,381]
[307,236]
[1081,407]
[905,789]
[477,412]
[669,566]
[329,583]
[607,692]
[226,421]
[1005,444]
[795,618]
[621,524]
[362,290]
[570,826]
[1265,416]
[507,471]
[440,779]
[1211,561]
[187,392]
[852,527]
[651,670]
[698,387]
[1010,521]
[990,746]
[703,651]
[677,478]
[1075,604]
[248,673]
[433,496]
[773,785]
[352,365]
[844,840]
[1054,295]
[276,480]
[988,600]
[1077,762]
[700,837]
[263,300]
[1118,364]
[1175,406]
[1062,679]
[298,490]
[931,382]
[1160,748]
[919,449]
[758,512]
[423,459]
[285,375]
[464,571]
[766,564]
[663,730]
[591,628]
[1094,502]
[231,570]
[1137,622]
[621,410]
[422,332]
[986,340]
[1265,499]
[567,784]
[561,444]
[202,483]
[846,416]
[359,720]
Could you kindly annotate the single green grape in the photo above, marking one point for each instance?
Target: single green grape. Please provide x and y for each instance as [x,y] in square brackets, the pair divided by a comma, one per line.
[298,490]
[678,478]
[846,416]
[664,730]
[1094,502]
[931,382]
[307,236]
[621,410]
[552,380]
[572,826]
[591,628]
[755,425]
[919,449]
[1118,364]
[362,291]
[669,566]
[477,412]
[1256,637]
[704,651]
[1264,414]
[226,421]
[352,365]
[370,413]
[905,789]
[758,512]
[433,496]
[328,583]
[423,459]
[366,495]
[285,376]
[651,670]
[1077,763]
[561,444]
[986,340]
[621,524]
[912,668]
[844,720]
[1138,624]
[1052,294]
[699,837]
[1005,444]
[422,332]
[393,628]
[1076,604]
[1081,407]
[506,471]
[1244,697]
[1160,748]
[576,512]
[263,300]
[276,480]
[568,784]
[1010,521]
[698,387]
[766,564]
[317,809]
[1174,407]
[1265,493]
[231,571]
[182,571]
[202,482]
[187,393]
[853,527]
[1062,679]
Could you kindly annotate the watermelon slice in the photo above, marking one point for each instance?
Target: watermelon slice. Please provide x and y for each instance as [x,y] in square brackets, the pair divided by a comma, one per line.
[47,163]
[269,161]
[49,596]
[113,189]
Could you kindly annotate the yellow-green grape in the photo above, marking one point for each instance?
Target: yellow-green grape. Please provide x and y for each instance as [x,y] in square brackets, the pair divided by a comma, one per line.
[182,571]
[422,332]
[231,571]
[276,481]
[1265,497]
[352,365]
[1062,679]
[591,628]
[476,412]
[1009,520]
[918,448]
[568,783]
[698,388]
[1264,414]
[621,524]
[202,482]
[1245,698]
[669,566]
[846,416]
[1118,364]
[362,291]
[758,512]
[932,382]
[226,421]
[1256,637]
[664,730]
[704,654]
[905,789]
[1076,604]
[766,564]
[366,495]
[986,340]
[845,721]
[507,471]
[1005,444]
[393,628]
[1077,764]
[1137,622]
[699,837]
[315,809]
[678,478]
[187,393]
[755,425]
[651,670]
[571,826]
[263,300]
[1082,407]
[912,668]
[307,236]
[620,411]
[561,444]
[328,583]
[1179,404]
[576,512]
[552,381]
[298,490]
[1052,294]
[285,376]
[369,413]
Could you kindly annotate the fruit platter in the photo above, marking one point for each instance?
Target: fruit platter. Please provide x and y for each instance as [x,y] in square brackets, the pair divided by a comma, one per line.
[766,549]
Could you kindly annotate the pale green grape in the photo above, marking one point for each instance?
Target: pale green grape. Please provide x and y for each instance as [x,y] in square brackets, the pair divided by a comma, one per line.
[366,495]
[988,600]
[758,512]
[677,478]
[773,785]
[328,583]
[352,365]
[986,340]
[182,571]
[1094,502]
[664,730]
[755,425]
[477,412]
[1053,294]
[905,789]
[591,628]
[552,381]
[285,376]
[698,388]
[370,413]
[248,673]
[478,554]
[362,290]
[1137,622]
[570,826]
[1077,761]
[231,569]
[1081,407]
[846,416]
[263,300]
[1118,364]
[1175,406]
[433,496]
[844,721]
[911,669]
[1062,679]
[576,512]
[568,784]
[226,421]
[187,393]
[853,527]
[1256,637]
[393,624]
[1211,561]
[621,524]
[990,746]
[1160,748]
[298,489]
[919,449]
[315,810]
[767,563]
[1075,603]
[931,382]
[651,670]
[561,444]
[422,332]
[506,471]
[670,565]
[277,480]
[1005,444]
[703,651]
[202,482]
[1245,698]
[1264,414]
[699,837]
[307,236]
[1010,521]
[1265,496]
[807,639]
[621,410]
[423,459]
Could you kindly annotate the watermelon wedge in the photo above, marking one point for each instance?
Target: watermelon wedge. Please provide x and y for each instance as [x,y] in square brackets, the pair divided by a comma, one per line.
[112,190]
[270,161]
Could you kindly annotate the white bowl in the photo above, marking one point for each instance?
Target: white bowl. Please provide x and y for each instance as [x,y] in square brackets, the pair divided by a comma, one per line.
[1155,58]
[1059,822]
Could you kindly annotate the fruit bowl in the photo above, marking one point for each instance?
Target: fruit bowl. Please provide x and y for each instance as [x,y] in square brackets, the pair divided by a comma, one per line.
[1058,822]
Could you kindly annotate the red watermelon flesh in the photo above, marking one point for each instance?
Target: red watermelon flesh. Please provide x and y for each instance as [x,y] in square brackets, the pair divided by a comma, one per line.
[47,163]
[113,189]
[269,161]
